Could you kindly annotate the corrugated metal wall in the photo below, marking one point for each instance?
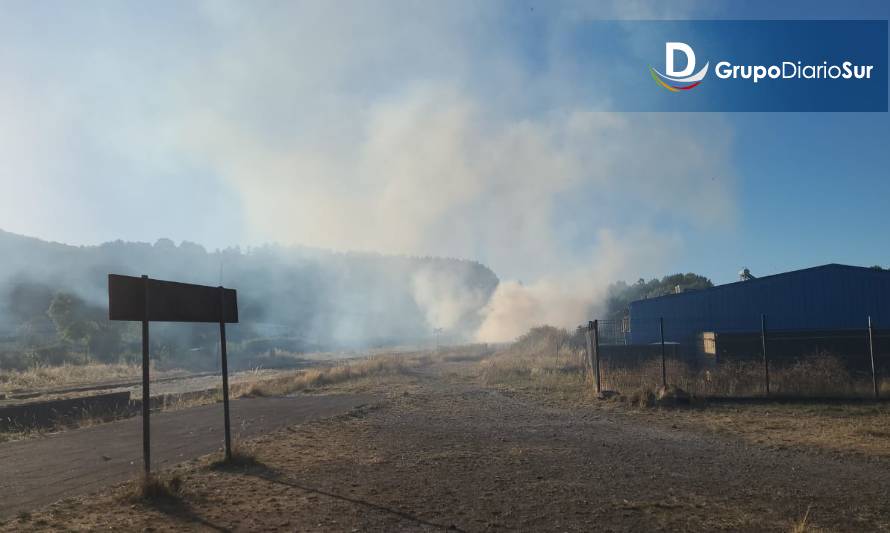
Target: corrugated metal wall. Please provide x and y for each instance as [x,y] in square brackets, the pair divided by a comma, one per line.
[826,297]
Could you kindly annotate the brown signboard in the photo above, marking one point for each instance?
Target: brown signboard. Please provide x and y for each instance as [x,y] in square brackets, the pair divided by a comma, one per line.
[169,301]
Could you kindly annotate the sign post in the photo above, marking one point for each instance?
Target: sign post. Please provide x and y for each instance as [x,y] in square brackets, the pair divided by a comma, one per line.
[225,372]
[146,300]
[146,398]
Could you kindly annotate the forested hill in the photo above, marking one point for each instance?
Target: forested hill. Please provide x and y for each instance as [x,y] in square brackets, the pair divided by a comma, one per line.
[620,294]
[325,298]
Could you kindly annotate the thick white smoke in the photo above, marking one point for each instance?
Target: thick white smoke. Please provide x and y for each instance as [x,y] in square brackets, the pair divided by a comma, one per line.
[575,293]
[564,202]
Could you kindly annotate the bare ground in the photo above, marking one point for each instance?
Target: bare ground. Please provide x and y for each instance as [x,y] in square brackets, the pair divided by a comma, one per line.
[42,470]
[439,450]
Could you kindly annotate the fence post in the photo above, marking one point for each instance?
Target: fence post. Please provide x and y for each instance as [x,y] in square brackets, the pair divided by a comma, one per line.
[596,353]
[871,353]
[763,350]
[664,383]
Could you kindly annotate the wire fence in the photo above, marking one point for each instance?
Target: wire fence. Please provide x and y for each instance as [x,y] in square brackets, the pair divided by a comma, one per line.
[665,353]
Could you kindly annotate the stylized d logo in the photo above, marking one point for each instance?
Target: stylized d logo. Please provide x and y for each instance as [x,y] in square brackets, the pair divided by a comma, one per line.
[669,51]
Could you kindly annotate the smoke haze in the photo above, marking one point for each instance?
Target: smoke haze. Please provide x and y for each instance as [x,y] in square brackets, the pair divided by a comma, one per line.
[404,128]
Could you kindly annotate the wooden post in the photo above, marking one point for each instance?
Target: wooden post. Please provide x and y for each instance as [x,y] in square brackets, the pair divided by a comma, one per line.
[225,372]
[588,336]
[596,354]
[557,349]
[763,350]
[871,353]
[146,397]
[664,383]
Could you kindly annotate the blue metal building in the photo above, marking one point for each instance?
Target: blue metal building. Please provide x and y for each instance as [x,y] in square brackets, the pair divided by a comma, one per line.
[828,297]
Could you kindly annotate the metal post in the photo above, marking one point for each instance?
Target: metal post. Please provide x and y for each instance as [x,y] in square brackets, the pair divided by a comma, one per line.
[871,353]
[763,349]
[596,353]
[146,397]
[225,372]
[664,383]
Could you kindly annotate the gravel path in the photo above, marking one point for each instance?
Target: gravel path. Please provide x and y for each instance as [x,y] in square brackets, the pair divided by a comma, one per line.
[35,472]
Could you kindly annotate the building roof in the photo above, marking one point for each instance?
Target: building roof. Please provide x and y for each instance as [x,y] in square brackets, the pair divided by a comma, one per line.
[755,281]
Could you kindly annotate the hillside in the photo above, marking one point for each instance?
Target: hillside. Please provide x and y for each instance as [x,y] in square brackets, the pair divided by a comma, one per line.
[302,298]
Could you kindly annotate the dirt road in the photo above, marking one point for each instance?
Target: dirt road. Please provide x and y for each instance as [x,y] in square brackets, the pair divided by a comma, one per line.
[442,451]
[455,454]
[35,472]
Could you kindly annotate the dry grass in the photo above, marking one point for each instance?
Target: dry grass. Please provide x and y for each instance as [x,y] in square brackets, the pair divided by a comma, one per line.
[460,354]
[860,429]
[41,377]
[260,384]
[242,457]
[379,365]
[820,376]
[800,526]
[13,435]
[83,419]
[153,488]
[531,363]
[837,426]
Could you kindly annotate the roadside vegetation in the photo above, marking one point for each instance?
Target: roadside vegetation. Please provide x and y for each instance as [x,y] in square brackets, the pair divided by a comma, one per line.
[45,376]
[727,400]
[353,373]
[371,367]
[549,358]
[315,378]
[545,360]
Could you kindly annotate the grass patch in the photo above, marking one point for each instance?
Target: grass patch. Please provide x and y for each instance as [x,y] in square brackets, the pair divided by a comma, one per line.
[461,354]
[802,525]
[18,434]
[82,419]
[378,365]
[540,358]
[242,458]
[534,362]
[154,488]
[44,376]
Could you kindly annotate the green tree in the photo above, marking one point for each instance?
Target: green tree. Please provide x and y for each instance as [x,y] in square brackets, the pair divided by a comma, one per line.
[69,313]
[620,294]
[84,325]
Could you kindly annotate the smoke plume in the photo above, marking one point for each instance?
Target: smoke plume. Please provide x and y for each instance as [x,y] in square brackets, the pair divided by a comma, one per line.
[427,129]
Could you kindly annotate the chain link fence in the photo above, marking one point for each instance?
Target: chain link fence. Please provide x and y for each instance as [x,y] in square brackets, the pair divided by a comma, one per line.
[738,363]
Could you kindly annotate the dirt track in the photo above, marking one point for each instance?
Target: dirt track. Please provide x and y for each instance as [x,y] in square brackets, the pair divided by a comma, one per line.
[445,452]
[455,454]
[35,472]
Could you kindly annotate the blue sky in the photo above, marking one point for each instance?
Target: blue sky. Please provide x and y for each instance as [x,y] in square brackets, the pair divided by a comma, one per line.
[480,130]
